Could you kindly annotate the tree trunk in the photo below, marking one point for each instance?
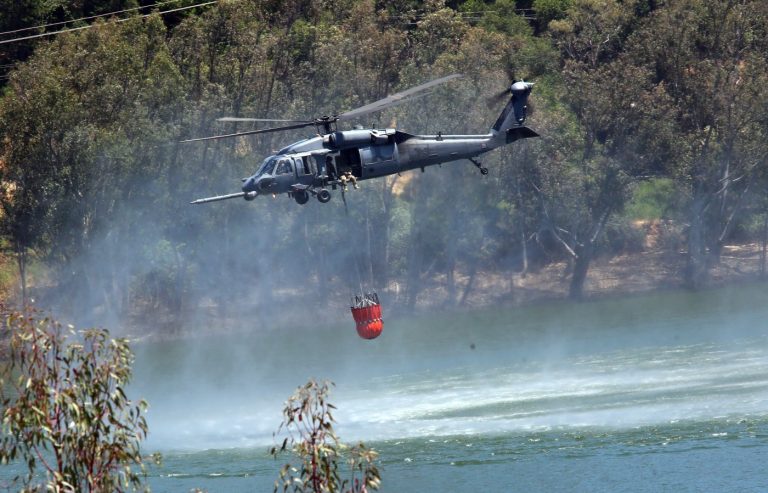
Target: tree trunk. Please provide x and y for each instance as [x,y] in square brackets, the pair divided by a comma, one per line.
[581,263]
[696,268]
[450,279]
[521,224]
[451,254]
[413,286]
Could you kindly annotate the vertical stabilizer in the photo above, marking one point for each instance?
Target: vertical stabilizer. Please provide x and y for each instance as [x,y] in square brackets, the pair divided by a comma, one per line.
[514,112]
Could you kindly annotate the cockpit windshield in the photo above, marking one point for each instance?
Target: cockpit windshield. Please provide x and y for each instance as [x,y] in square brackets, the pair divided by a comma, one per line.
[268,166]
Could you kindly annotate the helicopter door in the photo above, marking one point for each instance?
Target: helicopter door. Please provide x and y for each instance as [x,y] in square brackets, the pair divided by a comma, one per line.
[317,164]
[304,166]
[304,172]
[284,175]
[349,160]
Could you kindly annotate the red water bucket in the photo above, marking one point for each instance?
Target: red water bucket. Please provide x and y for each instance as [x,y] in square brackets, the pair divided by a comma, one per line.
[368,321]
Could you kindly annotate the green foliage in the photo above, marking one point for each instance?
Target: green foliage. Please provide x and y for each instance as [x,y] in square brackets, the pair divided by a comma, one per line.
[626,90]
[654,199]
[501,16]
[65,411]
[549,10]
[308,422]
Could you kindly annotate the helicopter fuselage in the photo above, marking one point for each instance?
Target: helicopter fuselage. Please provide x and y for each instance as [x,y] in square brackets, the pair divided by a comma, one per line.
[311,166]
[314,164]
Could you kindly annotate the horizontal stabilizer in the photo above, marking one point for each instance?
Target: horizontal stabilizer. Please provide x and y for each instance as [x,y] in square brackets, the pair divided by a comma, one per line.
[517,133]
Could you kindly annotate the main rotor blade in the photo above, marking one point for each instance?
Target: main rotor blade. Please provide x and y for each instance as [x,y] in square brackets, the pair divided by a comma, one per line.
[496,99]
[249,132]
[238,119]
[395,99]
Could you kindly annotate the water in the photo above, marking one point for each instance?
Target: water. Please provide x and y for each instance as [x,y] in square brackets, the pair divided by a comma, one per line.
[663,392]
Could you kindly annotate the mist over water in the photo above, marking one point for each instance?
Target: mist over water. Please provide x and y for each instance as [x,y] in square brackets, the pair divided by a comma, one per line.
[660,392]
[616,365]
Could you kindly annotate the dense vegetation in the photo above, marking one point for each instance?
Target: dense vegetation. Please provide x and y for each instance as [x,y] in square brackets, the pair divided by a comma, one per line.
[648,110]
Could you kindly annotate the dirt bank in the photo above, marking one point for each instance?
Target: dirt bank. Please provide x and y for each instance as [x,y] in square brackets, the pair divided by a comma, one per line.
[649,270]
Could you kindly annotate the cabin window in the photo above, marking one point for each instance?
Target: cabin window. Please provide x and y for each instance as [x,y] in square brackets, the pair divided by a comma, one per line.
[378,154]
[305,163]
[383,153]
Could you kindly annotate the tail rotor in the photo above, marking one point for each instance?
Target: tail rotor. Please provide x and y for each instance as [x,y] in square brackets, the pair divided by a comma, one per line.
[518,91]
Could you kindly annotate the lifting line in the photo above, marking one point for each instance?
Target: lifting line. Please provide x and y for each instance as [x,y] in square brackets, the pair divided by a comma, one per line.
[350,229]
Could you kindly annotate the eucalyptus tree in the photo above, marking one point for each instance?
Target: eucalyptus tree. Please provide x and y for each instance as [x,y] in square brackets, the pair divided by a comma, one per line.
[87,110]
[25,210]
[616,111]
[65,412]
[710,61]
[308,428]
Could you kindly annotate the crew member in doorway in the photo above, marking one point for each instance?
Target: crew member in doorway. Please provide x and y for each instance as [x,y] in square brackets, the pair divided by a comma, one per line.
[330,168]
[348,177]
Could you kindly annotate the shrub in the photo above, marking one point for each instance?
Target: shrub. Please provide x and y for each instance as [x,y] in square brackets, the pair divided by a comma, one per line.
[654,199]
[308,422]
[65,412]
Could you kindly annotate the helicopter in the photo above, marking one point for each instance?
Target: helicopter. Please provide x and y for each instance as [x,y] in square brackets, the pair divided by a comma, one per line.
[335,157]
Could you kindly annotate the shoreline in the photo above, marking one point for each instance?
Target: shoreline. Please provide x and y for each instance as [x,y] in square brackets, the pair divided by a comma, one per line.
[614,277]
[645,271]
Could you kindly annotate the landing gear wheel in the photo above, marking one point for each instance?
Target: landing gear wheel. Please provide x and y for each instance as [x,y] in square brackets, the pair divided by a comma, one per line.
[301,197]
[323,196]
[483,171]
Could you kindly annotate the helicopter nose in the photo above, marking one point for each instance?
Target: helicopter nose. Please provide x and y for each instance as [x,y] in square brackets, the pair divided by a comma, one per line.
[250,185]
[265,183]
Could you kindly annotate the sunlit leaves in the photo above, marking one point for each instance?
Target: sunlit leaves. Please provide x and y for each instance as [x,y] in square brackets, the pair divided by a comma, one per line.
[327,466]
[65,411]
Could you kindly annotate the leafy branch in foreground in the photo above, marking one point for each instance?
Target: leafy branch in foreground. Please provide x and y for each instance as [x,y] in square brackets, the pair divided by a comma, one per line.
[64,408]
[308,422]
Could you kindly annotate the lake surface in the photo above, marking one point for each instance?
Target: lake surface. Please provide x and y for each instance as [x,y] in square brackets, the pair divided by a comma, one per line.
[661,392]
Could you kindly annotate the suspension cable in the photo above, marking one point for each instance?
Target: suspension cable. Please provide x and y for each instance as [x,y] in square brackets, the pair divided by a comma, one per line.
[350,227]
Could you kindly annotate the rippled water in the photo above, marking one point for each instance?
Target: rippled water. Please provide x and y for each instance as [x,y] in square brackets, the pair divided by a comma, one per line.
[665,392]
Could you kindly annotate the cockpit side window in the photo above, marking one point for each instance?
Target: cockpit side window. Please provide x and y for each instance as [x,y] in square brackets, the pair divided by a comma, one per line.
[284,167]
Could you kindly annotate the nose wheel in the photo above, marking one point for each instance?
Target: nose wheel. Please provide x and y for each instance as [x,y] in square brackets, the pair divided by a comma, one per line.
[483,170]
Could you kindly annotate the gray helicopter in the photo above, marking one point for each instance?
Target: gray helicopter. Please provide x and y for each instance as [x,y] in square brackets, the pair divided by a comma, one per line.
[334,158]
